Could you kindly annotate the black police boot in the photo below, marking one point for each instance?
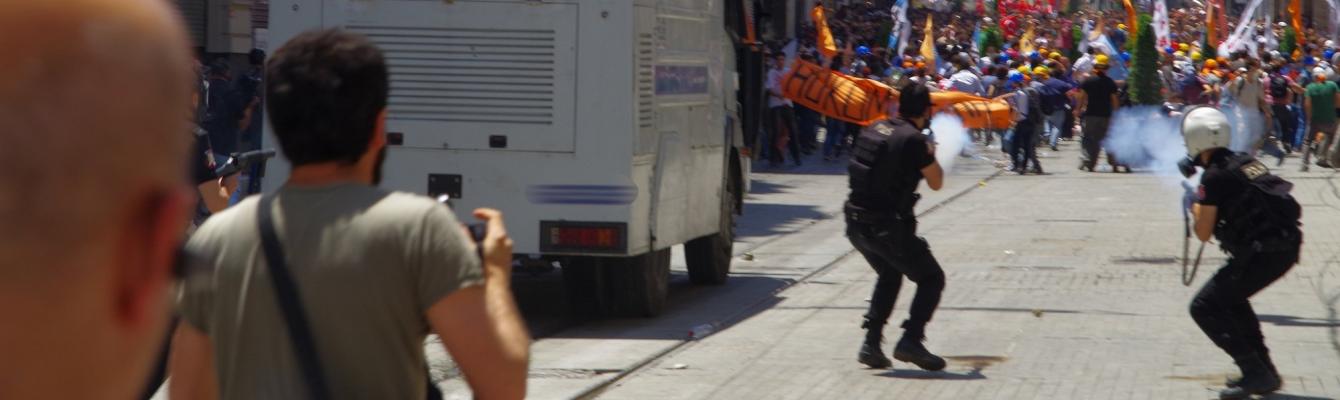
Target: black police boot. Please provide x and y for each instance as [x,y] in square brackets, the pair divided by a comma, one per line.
[910,349]
[1257,378]
[872,355]
[1265,357]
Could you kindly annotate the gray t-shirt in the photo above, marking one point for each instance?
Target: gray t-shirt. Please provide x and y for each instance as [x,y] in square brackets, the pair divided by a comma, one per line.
[368,264]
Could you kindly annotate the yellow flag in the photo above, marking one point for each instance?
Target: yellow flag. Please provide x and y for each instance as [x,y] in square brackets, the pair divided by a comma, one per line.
[825,37]
[1026,41]
[1132,24]
[928,44]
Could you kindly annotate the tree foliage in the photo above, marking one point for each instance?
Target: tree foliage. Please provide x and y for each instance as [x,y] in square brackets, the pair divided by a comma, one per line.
[1144,83]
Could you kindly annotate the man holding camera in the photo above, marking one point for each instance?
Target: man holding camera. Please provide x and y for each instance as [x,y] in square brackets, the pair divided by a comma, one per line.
[369,272]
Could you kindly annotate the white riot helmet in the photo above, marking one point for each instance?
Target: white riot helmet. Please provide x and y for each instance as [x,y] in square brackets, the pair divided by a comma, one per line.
[1205,128]
[1330,44]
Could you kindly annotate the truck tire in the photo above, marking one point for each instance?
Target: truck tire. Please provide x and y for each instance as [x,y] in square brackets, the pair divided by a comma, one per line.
[601,287]
[585,286]
[709,257]
[637,286]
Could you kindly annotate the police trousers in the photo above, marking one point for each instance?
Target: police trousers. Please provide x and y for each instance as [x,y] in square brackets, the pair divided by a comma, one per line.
[1221,308]
[894,250]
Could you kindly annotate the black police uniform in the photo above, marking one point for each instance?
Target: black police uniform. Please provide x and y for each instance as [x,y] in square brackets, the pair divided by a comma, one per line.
[885,170]
[1258,226]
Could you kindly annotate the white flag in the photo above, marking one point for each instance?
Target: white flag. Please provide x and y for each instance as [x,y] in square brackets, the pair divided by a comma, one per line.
[1160,22]
[1242,37]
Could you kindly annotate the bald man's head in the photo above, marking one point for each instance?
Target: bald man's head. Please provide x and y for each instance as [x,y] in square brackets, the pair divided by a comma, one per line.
[94,102]
[94,112]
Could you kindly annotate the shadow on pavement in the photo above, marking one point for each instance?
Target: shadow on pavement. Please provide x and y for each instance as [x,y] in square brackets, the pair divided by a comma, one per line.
[975,374]
[1287,320]
[758,186]
[778,216]
[689,307]
[1282,396]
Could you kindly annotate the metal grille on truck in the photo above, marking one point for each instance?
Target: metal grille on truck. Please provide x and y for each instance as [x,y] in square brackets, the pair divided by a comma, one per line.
[469,75]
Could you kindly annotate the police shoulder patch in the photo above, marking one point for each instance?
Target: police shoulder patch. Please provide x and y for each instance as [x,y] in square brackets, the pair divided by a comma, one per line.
[1254,170]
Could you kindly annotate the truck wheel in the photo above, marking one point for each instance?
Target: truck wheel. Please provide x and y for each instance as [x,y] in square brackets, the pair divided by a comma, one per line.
[709,257]
[637,286]
[585,286]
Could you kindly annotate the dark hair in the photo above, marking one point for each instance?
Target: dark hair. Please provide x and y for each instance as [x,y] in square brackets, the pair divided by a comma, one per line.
[256,57]
[914,100]
[325,89]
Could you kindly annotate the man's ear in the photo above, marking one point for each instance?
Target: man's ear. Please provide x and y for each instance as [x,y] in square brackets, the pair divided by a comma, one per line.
[150,239]
[379,134]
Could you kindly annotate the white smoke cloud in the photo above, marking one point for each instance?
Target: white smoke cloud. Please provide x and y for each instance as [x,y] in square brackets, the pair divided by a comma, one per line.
[951,138]
[1146,139]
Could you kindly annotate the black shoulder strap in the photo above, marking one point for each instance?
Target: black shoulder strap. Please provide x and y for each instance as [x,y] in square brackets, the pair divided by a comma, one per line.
[290,303]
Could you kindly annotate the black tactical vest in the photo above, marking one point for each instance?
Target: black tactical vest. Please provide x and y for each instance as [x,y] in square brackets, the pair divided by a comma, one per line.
[1264,217]
[882,186]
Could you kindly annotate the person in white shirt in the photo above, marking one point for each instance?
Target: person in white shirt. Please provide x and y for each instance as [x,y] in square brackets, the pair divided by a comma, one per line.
[782,120]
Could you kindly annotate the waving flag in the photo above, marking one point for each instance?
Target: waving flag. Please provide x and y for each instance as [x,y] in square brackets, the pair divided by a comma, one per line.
[928,43]
[1241,38]
[1296,19]
[1160,20]
[825,37]
[1026,41]
[901,27]
[1132,24]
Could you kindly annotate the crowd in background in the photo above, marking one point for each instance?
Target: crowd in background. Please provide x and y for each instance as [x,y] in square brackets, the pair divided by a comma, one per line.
[1188,73]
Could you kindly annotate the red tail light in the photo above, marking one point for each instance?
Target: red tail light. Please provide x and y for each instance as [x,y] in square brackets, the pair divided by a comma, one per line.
[585,237]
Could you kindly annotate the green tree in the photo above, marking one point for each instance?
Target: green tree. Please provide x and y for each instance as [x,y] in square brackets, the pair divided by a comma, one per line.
[1144,82]
[1145,19]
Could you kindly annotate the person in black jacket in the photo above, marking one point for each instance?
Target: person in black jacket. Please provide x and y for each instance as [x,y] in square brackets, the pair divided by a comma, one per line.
[1255,220]
[888,162]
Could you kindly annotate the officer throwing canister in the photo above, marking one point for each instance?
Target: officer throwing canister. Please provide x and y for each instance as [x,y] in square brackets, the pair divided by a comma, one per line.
[1256,222]
[888,162]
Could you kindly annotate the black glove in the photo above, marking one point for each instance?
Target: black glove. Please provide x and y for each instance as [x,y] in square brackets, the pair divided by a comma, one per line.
[1187,167]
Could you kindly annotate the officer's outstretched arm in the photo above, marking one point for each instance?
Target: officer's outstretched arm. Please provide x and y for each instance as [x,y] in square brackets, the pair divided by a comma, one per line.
[934,175]
[1205,218]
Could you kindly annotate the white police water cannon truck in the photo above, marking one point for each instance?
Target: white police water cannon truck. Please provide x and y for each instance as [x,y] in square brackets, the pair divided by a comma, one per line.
[607,131]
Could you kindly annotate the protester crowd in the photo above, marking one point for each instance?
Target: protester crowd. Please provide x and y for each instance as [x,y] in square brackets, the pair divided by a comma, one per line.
[1046,54]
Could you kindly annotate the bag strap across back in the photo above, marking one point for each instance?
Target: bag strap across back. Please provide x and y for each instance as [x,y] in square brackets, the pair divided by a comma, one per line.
[290,304]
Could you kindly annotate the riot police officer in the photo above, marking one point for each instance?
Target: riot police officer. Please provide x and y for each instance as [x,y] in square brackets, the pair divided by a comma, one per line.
[889,160]
[1255,220]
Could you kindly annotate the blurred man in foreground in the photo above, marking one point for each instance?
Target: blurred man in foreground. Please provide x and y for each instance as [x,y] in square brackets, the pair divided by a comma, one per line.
[92,195]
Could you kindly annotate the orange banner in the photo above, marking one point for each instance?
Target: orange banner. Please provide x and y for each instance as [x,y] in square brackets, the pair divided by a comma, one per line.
[855,100]
[984,114]
[865,101]
[825,41]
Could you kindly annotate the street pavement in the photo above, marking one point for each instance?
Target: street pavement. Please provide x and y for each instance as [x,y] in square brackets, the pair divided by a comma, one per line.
[791,227]
[1063,286]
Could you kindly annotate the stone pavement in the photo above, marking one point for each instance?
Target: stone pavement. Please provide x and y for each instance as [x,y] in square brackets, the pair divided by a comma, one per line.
[1059,287]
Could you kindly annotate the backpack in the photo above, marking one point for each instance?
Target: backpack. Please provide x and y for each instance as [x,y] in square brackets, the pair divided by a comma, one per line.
[1049,99]
[1279,87]
[1033,114]
[1264,217]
